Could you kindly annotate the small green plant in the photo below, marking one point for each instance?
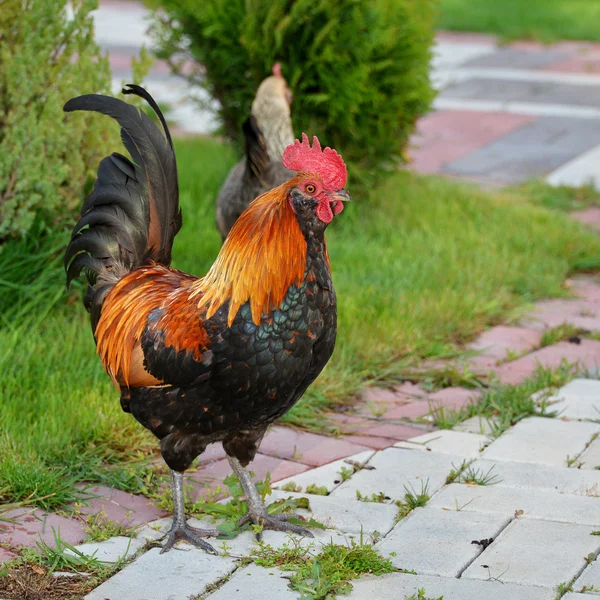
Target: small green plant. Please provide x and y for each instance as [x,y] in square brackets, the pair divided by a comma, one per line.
[99,528]
[62,556]
[420,595]
[324,575]
[412,499]
[466,473]
[379,497]
[505,405]
[290,486]
[345,473]
[232,511]
[563,589]
[558,334]
[318,490]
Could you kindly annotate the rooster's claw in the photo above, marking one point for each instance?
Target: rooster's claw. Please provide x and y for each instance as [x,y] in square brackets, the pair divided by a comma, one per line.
[192,535]
[275,523]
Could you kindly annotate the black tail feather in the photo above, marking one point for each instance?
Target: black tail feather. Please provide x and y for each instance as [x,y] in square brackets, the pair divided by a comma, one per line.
[132,215]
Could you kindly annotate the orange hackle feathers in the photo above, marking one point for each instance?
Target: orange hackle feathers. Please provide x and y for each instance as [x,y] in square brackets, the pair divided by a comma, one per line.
[264,253]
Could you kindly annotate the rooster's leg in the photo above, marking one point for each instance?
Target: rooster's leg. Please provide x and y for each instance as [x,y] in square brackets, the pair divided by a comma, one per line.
[257,513]
[180,530]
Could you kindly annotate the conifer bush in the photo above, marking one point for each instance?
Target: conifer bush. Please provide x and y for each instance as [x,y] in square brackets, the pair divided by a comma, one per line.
[47,55]
[359,69]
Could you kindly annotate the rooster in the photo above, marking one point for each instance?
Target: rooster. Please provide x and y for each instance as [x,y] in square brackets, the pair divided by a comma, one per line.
[267,132]
[216,358]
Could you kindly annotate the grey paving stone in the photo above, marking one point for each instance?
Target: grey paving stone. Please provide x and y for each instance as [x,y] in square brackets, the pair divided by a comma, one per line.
[397,469]
[398,586]
[475,425]
[576,596]
[446,441]
[532,150]
[439,542]
[525,475]
[590,459]
[328,475]
[589,579]
[176,575]
[111,550]
[255,583]
[510,90]
[579,399]
[511,58]
[535,504]
[529,552]
[347,515]
[542,441]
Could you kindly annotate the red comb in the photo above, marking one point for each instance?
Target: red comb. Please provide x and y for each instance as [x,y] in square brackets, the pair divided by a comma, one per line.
[327,163]
[277,69]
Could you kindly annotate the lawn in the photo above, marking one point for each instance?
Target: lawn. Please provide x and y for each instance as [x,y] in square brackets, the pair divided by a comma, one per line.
[544,20]
[420,266]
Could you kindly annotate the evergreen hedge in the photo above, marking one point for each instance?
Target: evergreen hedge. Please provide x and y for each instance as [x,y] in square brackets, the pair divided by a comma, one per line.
[359,69]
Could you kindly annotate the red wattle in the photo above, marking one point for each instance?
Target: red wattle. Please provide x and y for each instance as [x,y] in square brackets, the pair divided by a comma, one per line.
[324,212]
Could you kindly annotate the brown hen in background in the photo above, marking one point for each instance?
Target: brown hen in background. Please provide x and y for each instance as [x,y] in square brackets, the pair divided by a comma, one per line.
[268,131]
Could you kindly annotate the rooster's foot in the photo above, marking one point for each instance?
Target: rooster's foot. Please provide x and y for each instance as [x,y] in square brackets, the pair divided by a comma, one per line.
[192,535]
[275,523]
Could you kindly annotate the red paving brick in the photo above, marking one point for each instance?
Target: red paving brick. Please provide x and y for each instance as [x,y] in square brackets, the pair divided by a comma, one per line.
[304,447]
[393,431]
[577,312]
[212,453]
[587,288]
[214,473]
[411,389]
[330,450]
[379,395]
[29,526]
[414,410]
[371,441]
[589,216]
[495,343]
[349,423]
[5,555]
[120,506]
[453,398]
[586,354]
[575,64]
[447,135]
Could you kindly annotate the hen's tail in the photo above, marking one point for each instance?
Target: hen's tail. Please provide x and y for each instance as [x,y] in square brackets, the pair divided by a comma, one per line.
[132,215]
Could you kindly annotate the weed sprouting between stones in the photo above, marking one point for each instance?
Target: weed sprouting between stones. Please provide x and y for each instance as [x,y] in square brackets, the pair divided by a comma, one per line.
[505,405]
[323,575]
[420,595]
[466,473]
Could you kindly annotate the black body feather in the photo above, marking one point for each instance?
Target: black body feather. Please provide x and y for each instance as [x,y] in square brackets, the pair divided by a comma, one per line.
[132,215]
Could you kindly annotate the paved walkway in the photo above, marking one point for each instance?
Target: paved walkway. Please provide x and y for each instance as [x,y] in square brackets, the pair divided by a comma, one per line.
[532,528]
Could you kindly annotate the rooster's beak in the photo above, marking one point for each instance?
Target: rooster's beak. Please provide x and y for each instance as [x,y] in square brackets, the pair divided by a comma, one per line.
[342,196]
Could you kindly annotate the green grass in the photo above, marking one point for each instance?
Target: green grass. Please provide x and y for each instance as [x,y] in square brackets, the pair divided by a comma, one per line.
[324,575]
[421,266]
[544,20]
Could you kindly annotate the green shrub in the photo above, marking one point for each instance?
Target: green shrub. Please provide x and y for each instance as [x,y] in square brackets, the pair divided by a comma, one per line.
[359,69]
[46,157]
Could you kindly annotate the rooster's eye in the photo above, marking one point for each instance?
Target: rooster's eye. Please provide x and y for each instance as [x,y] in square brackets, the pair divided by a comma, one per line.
[311,189]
